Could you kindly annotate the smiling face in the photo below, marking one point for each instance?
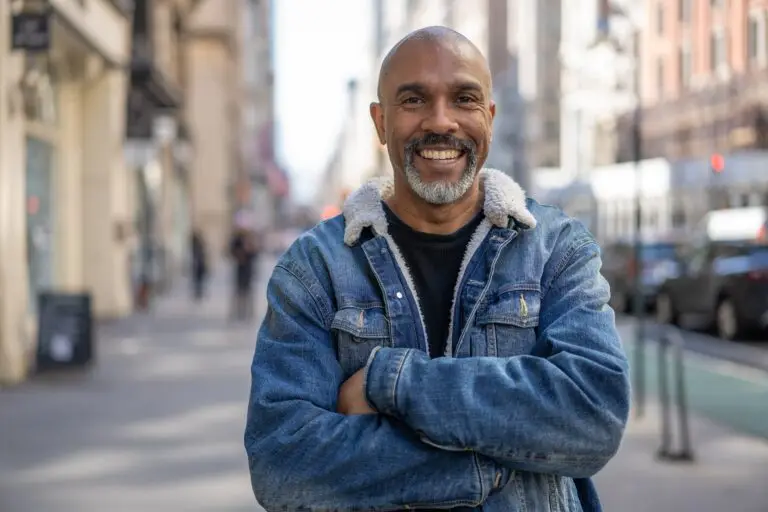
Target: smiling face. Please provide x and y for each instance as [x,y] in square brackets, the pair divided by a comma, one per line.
[435,115]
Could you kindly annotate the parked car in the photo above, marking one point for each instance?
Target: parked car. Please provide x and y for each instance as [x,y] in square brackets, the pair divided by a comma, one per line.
[722,275]
[657,262]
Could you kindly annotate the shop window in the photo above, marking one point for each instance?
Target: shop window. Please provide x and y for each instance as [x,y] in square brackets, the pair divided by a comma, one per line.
[40,218]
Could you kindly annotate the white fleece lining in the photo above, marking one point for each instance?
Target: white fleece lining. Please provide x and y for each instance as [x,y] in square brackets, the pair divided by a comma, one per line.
[474,244]
[408,281]
[504,199]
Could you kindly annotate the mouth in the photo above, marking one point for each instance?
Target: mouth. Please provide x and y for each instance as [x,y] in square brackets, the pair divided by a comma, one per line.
[443,155]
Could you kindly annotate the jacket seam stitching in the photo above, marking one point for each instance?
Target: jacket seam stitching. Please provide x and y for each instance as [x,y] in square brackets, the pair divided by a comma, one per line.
[396,380]
[554,458]
[479,469]
[327,315]
[566,261]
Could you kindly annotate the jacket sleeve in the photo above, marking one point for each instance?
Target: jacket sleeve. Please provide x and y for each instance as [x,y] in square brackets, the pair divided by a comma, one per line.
[304,456]
[564,414]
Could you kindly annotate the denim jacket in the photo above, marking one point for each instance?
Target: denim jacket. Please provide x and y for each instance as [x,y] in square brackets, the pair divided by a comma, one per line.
[530,400]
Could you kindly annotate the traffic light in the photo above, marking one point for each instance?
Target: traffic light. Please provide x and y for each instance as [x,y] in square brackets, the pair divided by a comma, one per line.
[717,163]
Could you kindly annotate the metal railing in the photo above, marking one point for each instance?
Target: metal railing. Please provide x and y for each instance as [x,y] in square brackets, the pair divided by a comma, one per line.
[671,341]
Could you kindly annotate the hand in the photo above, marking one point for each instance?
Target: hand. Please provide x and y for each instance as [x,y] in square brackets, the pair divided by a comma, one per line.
[352,396]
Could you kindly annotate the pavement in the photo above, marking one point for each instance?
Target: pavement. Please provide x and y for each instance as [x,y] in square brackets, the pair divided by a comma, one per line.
[157,424]
[728,472]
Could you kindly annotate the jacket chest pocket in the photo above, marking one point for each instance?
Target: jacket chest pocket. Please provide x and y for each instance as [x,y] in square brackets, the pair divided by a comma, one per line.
[358,331]
[508,324]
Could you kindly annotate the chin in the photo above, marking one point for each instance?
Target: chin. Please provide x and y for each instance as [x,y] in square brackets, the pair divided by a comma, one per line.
[440,191]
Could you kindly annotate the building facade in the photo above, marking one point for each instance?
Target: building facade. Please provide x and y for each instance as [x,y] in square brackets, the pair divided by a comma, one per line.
[262,185]
[508,151]
[158,147]
[537,28]
[599,79]
[65,218]
[704,66]
[213,103]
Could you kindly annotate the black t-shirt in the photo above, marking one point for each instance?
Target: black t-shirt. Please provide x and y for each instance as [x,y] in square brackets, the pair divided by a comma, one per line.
[434,262]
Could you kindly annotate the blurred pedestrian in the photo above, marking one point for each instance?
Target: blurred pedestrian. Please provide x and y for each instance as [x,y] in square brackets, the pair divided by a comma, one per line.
[199,264]
[242,250]
[446,342]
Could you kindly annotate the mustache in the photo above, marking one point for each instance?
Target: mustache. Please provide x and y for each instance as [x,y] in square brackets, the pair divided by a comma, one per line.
[438,139]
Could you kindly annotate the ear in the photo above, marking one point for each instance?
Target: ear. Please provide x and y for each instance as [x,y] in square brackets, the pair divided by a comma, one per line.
[493,109]
[377,116]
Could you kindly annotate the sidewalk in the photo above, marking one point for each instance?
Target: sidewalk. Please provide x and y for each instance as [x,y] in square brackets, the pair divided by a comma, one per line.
[730,471]
[156,425]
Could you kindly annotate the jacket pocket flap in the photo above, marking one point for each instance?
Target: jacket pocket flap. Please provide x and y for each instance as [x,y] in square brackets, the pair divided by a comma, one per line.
[362,323]
[519,308]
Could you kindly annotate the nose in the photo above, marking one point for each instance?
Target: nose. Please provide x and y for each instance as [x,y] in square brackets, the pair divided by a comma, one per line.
[440,119]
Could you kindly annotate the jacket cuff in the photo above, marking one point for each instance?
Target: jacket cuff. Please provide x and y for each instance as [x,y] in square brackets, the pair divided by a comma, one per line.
[382,376]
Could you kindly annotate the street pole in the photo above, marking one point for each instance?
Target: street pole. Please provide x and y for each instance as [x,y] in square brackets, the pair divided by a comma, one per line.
[639,302]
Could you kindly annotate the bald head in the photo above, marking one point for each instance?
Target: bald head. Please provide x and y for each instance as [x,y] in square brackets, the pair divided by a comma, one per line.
[437,35]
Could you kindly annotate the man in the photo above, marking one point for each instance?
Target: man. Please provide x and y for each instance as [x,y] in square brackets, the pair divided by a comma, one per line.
[199,264]
[242,250]
[445,343]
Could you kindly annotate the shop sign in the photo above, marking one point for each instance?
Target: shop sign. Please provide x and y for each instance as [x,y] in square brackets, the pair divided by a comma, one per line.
[31,31]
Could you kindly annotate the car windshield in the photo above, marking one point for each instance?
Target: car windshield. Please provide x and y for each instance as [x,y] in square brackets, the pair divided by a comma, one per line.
[759,255]
[655,252]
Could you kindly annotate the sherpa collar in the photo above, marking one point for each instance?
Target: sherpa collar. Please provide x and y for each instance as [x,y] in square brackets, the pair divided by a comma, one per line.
[504,198]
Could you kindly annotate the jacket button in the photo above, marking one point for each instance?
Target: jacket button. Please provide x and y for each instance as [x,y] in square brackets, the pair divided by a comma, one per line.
[399,295]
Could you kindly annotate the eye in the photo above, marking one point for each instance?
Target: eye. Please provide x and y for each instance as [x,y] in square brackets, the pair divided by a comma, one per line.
[412,100]
[465,98]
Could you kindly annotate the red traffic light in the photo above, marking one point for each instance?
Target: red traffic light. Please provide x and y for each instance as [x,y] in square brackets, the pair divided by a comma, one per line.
[717,162]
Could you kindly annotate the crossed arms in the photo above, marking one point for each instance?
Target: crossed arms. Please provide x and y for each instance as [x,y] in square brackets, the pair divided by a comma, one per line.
[447,428]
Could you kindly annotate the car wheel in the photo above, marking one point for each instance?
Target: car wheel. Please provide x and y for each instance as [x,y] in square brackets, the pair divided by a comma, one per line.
[727,320]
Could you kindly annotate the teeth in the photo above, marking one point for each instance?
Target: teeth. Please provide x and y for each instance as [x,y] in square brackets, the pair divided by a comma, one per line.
[444,154]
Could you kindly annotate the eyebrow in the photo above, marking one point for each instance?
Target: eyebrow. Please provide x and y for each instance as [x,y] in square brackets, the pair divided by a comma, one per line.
[417,88]
[413,87]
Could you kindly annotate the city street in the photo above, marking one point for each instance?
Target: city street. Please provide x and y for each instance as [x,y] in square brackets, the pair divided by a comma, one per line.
[726,382]
[157,425]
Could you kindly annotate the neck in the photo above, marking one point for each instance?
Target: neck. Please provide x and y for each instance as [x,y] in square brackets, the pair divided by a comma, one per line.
[431,218]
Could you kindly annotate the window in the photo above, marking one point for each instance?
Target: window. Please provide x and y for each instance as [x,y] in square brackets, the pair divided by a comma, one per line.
[756,40]
[684,67]
[717,50]
[698,259]
[684,9]
[752,34]
[41,222]
[660,18]
[660,77]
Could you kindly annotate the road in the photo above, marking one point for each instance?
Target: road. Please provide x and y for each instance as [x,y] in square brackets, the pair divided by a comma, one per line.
[753,353]
[726,382]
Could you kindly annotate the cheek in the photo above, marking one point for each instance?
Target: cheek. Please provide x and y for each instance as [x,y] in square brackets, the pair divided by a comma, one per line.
[481,129]
[484,133]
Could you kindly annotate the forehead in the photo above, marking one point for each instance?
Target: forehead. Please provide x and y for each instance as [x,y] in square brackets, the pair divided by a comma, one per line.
[434,65]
